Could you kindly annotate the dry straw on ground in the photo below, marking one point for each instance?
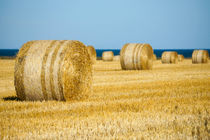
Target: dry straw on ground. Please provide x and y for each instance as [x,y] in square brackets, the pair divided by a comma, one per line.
[92,53]
[53,70]
[180,57]
[116,58]
[154,57]
[169,57]
[168,102]
[107,56]
[200,56]
[135,56]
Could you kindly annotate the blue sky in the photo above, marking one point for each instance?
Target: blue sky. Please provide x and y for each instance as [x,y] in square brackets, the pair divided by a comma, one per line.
[107,24]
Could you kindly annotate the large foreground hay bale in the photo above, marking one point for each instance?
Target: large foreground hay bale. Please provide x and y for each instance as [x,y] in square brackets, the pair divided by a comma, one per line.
[53,70]
[180,57]
[135,56]
[200,56]
[169,57]
[92,53]
[107,56]
[154,57]
[116,58]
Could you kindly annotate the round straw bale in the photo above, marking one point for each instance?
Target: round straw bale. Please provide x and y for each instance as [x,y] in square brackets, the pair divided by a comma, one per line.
[154,57]
[107,56]
[116,58]
[200,56]
[135,56]
[169,57]
[180,57]
[53,70]
[92,53]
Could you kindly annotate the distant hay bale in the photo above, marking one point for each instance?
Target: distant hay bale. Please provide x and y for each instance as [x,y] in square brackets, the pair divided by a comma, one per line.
[135,56]
[154,57]
[107,56]
[92,53]
[53,70]
[180,57]
[116,58]
[169,57]
[200,56]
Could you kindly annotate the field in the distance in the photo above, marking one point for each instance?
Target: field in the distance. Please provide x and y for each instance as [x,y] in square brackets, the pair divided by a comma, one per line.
[172,101]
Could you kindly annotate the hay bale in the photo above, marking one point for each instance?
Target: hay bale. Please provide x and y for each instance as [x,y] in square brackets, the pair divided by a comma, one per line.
[180,57]
[107,56]
[135,56]
[92,53]
[200,56]
[116,58]
[53,70]
[154,57]
[169,57]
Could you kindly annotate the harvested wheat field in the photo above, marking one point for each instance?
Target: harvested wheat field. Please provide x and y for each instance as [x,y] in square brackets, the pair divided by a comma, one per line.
[171,101]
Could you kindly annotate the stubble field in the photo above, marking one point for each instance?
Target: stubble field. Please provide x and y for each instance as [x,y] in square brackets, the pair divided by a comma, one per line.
[171,101]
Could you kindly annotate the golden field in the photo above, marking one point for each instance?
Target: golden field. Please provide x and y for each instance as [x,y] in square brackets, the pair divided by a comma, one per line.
[172,101]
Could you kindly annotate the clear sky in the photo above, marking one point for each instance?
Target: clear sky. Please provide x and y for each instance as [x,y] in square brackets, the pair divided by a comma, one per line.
[107,24]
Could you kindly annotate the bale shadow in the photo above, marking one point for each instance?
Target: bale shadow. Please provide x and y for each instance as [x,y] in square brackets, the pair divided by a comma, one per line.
[11,98]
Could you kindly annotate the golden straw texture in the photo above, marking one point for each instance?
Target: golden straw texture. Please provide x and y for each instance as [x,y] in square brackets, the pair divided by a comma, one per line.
[169,102]
[116,58]
[135,56]
[154,57]
[53,70]
[200,56]
[169,57]
[107,56]
[92,53]
[180,57]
